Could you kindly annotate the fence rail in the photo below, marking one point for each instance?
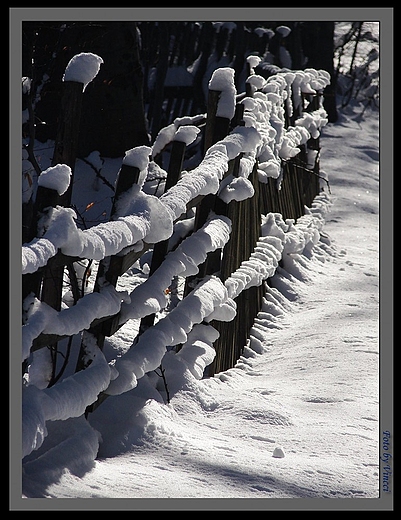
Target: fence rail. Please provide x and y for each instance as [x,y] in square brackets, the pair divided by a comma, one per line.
[259,167]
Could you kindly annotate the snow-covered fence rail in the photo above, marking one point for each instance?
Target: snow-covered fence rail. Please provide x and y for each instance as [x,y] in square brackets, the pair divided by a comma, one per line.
[251,190]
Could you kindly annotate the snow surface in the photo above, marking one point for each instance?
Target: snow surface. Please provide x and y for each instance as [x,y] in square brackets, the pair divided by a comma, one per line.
[253,61]
[186,134]
[306,386]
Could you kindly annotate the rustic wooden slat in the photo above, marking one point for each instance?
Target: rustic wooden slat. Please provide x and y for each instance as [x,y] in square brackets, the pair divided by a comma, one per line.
[205,46]
[216,129]
[127,176]
[64,153]
[211,132]
[160,249]
[296,183]
[45,198]
[245,218]
[65,148]
[66,144]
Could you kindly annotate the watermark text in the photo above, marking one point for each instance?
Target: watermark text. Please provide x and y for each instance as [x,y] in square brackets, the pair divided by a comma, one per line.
[386,462]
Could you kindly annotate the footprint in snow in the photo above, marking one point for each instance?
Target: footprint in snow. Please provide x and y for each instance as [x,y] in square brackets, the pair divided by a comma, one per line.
[261,438]
[267,392]
[321,400]
[257,487]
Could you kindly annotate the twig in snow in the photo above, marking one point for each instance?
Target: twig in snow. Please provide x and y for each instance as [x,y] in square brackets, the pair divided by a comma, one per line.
[297,165]
[162,371]
[98,174]
[62,369]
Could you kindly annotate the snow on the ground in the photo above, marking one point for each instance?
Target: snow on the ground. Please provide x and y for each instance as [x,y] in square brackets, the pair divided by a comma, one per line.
[298,418]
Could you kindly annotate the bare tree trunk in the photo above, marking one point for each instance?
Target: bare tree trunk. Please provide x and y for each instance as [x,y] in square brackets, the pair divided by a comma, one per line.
[113,117]
[318,43]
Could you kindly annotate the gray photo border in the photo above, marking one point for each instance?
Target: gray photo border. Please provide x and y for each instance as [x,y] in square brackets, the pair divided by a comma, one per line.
[385,17]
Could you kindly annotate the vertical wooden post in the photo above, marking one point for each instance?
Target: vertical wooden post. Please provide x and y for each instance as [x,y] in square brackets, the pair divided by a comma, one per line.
[65,148]
[216,129]
[64,153]
[245,217]
[45,198]
[127,177]
[206,38]
[160,249]
[312,179]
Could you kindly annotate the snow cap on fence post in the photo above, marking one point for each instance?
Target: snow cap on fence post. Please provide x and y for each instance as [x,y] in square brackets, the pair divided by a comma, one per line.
[138,157]
[253,62]
[186,134]
[56,178]
[222,80]
[83,68]
[283,31]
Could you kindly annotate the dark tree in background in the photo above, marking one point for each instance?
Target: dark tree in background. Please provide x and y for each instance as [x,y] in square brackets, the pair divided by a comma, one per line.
[318,46]
[113,118]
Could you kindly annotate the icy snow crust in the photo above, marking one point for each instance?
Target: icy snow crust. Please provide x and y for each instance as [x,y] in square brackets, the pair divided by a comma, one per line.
[263,142]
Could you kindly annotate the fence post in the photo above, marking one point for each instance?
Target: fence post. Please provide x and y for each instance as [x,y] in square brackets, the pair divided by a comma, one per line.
[245,218]
[45,198]
[51,277]
[64,153]
[206,38]
[216,129]
[160,249]
[311,183]
[127,177]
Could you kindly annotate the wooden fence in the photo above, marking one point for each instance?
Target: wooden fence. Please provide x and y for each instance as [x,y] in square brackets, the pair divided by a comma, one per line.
[295,187]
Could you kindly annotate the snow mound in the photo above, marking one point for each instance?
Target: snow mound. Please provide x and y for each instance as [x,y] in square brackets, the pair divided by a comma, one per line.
[72,445]
[67,399]
[278,453]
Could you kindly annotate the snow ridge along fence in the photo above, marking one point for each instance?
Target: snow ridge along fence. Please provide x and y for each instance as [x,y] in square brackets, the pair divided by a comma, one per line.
[254,200]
